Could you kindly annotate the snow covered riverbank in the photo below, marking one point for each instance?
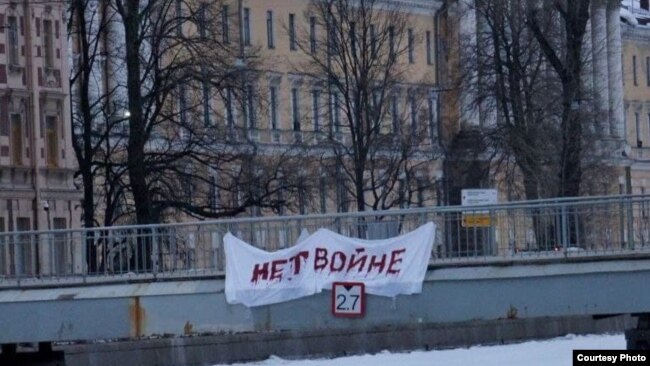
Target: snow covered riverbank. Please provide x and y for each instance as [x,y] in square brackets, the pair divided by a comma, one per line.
[557,352]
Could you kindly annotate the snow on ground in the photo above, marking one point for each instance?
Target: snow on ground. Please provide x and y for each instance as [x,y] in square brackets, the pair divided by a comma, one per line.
[557,352]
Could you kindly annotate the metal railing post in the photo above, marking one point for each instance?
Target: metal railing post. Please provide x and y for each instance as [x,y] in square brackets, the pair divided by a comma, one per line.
[565,227]
[155,251]
[630,224]
[622,228]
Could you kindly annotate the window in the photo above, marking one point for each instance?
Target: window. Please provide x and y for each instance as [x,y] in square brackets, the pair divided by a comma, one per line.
[353,38]
[213,200]
[414,115]
[235,196]
[421,186]
[315,97]
[639,143]
[230,118]
[280,196]
[206,103]
[391,42]
[202,20]
[25,258]
[17,139]
[411,46]
[295,112]
[634,70]
[394,113]
[292,32]
[48,43]
[323,194]
[224,24]
[376,106]
[302,199]
[247,26]
[269,29]
[341,199]
[4,124]
[12,40]
[332,40]
[647,71]
[433,117]
[61,248]
[273,95]
[373,40]
[312,34]
[182,104]
[648,126]
[336,105]
[51,141]
[428,41]
[249,109]
[179,15]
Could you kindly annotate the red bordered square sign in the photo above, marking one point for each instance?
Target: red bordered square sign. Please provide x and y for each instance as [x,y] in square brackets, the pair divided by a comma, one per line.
[349,299]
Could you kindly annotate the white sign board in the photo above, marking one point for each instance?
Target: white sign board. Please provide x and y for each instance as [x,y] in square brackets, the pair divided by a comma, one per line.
[348,299]
[478,197]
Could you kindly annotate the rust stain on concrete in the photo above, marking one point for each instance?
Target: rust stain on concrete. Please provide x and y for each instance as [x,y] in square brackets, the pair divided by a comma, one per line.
[137,317]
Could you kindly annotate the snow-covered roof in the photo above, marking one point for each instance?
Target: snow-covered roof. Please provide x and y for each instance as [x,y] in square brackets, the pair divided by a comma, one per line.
[628,17]
[633,14]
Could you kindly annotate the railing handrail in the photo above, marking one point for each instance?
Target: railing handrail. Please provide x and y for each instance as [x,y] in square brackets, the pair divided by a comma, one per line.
[568,227]
[524,204]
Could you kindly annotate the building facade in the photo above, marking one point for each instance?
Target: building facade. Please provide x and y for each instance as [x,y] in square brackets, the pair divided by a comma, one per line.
[37,162]
[297,106]
[283,104]
[636,73]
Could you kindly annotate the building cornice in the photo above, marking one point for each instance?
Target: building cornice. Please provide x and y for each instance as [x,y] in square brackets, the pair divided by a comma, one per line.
[420,7]
[635,33]
[415,6]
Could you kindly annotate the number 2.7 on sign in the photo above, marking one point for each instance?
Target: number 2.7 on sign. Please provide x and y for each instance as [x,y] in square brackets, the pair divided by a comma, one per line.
[348,299]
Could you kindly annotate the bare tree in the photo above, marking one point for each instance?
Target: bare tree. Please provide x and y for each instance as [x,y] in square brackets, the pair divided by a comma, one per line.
[357,51]
[531,77]
[177,61]
[512,85]
[564,54]
[94,126]
[148,135]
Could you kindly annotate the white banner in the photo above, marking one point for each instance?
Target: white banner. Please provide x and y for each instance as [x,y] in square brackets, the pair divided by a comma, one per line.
[388,267]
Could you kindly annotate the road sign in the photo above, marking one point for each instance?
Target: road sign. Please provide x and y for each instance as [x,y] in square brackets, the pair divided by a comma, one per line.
[477,197]
[348,299]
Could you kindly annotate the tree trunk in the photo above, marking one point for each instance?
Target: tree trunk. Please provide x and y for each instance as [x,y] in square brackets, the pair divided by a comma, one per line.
[86,152]
[137,137]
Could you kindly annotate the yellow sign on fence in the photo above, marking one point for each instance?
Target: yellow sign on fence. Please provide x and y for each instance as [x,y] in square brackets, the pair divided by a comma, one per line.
[476,220]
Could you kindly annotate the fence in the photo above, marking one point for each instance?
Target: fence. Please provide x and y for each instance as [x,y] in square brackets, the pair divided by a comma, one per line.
[555,228]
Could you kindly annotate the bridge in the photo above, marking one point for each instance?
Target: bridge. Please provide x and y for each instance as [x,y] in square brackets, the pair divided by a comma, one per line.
[534,261]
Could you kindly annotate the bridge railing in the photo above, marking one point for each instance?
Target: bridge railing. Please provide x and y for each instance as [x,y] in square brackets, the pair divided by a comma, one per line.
[555,228]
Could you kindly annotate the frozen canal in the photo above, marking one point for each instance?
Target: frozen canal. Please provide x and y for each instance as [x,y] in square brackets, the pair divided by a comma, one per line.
[557,352]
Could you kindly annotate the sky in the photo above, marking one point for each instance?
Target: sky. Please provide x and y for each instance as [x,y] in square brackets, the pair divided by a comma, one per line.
[557,352]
